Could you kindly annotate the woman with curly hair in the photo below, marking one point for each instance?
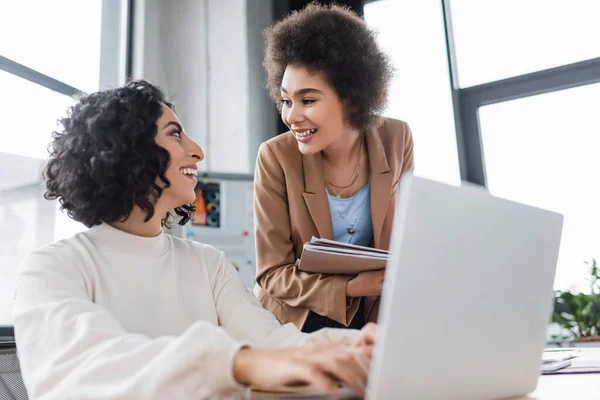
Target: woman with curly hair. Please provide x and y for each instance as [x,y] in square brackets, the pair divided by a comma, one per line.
[126,311]
[334,174]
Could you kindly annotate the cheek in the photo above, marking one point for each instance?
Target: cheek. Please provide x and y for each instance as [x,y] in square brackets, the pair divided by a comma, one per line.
[172,170]
[332,126]
[175,160]
[321,117]
[176,154]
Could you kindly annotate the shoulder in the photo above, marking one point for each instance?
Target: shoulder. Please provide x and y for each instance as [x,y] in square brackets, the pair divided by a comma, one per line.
[393,132]
[192,246]
[283,148]
[206,254]
[396,141]
[203,258]
[283,142]
[61,263]
[62,253]
[279,160]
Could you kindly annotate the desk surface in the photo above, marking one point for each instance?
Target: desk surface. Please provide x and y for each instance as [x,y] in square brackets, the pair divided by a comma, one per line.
[550,387]
[570,386]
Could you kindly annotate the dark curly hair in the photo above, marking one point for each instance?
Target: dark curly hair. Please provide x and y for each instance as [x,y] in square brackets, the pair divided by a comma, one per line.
[104,158]
[334,41]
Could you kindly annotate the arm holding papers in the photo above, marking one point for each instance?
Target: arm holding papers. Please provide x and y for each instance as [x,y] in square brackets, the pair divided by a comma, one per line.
[331,257]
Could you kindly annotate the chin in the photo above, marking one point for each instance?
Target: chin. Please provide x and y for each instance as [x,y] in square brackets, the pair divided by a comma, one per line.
[189,199]
[184,198]
[308,149]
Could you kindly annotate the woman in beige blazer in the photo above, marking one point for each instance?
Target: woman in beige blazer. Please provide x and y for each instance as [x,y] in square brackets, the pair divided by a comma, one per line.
[334,174]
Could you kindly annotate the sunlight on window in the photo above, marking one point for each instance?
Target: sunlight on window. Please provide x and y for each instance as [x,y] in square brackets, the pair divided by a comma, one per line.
[544,151]
[497,39]
[34,111]
[420,93]
[65,227]
[59,38]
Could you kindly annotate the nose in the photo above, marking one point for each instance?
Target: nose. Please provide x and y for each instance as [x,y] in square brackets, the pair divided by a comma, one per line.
[194,150]
[294,115]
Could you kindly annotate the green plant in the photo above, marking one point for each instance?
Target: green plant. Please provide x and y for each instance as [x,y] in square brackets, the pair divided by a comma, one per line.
[580,312]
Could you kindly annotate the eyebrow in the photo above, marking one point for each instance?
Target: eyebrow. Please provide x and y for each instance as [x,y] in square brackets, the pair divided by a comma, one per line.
[303,91]
[174,123]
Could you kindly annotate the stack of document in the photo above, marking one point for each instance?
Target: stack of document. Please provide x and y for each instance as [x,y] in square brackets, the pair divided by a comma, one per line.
[557,359]
[330,257]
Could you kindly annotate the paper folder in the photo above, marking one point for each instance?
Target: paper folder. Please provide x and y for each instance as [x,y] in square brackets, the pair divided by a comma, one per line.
[330,257]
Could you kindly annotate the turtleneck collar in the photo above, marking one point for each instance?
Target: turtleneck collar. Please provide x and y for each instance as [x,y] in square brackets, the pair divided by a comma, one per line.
[111,238]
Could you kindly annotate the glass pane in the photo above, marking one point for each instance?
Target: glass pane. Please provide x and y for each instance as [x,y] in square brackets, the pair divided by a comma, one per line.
[544,151]
[59,38]
[28,219]
[65,227]
[503,38]
[420,93]
[17,239]
[32,112]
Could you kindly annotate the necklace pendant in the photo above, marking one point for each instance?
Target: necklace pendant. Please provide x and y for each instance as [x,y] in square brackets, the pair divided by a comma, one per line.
[351,230]
[338,196]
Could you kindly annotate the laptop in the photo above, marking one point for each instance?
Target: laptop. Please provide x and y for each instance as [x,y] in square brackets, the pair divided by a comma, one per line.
[467,296]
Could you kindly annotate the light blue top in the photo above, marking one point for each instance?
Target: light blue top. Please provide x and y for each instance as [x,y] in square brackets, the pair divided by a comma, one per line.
[352,212]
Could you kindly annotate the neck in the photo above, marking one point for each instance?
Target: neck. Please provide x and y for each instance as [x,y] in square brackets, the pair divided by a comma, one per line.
[343,151]
[135,224]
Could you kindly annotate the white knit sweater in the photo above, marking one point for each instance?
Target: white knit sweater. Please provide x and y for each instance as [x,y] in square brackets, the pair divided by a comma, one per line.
[110,315]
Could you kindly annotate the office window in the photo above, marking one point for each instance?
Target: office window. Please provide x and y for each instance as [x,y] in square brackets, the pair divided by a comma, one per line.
[29,221]
[545,151]
[497,39]
[59,38]
[32,112]
[412,34]
[65,227]
[78,43]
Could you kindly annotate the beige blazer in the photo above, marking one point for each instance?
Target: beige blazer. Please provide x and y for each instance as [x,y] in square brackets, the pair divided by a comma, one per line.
[290,206]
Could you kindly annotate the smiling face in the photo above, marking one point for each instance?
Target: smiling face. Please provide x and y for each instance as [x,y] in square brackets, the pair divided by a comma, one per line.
[184,154]
[312,110]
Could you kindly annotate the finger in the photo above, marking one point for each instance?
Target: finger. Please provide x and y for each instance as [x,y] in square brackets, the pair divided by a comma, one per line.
[362,356]
[344,366]
[368,333]
[365,350]
[315,376]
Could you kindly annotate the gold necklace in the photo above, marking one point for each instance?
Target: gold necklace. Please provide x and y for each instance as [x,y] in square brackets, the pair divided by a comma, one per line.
[355,176]
[338,195]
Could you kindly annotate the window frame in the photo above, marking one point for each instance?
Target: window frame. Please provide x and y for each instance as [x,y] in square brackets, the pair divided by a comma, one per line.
[466,101]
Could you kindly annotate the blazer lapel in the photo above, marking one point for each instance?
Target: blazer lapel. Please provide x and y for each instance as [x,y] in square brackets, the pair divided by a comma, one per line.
[315,196]
[381,183]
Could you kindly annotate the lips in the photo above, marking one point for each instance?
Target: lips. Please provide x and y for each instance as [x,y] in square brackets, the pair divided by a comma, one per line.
[189,171]
[304,135]
[305,132]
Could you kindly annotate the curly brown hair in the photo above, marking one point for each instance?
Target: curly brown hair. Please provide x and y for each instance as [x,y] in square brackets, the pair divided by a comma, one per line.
[334,41]
[104,159]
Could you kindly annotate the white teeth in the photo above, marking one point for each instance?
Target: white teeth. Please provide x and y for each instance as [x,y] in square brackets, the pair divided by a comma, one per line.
[305,133]
[188,171]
